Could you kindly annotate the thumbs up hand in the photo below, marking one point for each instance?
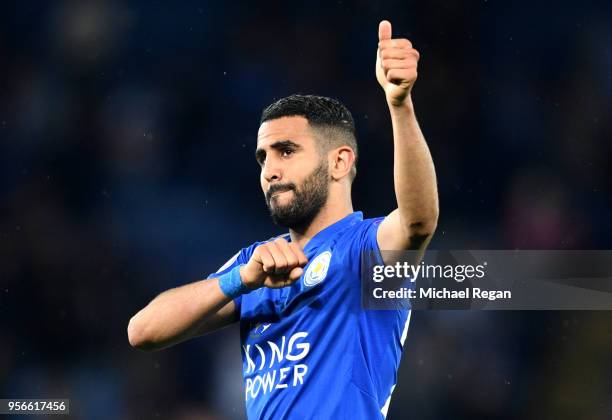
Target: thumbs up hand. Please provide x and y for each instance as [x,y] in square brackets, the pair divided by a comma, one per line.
[396,65]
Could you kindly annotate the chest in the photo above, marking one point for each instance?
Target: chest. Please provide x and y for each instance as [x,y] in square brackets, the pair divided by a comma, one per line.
[329,278]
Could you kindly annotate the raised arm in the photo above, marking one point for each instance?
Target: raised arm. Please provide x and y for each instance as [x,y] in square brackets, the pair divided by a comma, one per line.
[413,223]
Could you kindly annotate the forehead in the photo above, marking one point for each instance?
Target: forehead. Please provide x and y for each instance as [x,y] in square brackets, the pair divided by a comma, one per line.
[294,128]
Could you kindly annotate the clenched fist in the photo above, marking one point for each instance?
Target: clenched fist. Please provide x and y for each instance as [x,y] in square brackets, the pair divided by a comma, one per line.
[396,65]
[274,264]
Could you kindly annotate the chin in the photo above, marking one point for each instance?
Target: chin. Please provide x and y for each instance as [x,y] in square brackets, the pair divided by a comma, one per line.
[280,203]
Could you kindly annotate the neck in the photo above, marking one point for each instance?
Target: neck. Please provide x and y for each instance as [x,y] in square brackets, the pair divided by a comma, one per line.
[328,215]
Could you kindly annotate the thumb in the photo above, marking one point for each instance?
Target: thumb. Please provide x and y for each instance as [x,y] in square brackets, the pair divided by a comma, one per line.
[384,30]
[296,273]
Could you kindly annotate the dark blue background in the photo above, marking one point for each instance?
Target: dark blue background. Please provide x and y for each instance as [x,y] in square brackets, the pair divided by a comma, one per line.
[127,133]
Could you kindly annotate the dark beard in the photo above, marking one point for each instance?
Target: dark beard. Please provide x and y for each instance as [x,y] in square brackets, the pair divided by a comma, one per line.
[307,201]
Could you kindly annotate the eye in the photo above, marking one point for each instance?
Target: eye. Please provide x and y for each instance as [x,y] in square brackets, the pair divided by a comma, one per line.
[260,158]
[286,152]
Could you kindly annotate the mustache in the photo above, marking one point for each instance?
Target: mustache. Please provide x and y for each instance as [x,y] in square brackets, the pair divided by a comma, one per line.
[278,188]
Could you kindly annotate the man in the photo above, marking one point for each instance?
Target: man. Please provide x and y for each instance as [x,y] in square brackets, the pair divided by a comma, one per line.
[309,349]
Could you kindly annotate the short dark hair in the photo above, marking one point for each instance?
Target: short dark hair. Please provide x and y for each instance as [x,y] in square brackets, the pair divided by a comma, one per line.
[326,115]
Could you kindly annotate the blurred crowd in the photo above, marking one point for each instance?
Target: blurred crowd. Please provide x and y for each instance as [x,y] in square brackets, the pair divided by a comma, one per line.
[127,133]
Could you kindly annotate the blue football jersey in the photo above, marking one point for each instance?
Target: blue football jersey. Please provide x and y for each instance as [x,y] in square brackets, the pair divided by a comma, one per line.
[309,350]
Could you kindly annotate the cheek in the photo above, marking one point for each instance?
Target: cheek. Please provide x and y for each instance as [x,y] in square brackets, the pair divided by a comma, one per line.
[305,166]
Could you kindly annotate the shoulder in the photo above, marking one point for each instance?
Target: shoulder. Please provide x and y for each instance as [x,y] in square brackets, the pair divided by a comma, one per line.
[359,236]
[362,228]
[365,240]
[374,221]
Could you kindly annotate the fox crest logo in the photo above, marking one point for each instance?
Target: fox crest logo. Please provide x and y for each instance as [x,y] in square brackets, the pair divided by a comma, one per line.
[317,270]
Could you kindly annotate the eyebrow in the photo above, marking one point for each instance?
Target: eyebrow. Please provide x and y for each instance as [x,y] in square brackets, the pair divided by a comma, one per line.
[281,144]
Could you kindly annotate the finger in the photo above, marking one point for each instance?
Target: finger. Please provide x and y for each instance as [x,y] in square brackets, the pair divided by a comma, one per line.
[302,259]
[397,76]
[279,258]
[389,64]
[282,280]
[399,53]
[394,43]
[384,30]
[283,246]
[398,65]
[267,261]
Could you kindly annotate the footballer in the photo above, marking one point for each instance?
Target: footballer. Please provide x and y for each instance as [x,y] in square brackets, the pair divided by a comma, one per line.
[309,349]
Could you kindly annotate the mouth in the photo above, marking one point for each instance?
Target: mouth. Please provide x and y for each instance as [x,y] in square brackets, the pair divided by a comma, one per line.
[278,193]
[274,194]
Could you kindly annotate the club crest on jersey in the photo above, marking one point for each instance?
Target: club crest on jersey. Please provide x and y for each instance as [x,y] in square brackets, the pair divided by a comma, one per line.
[317,270]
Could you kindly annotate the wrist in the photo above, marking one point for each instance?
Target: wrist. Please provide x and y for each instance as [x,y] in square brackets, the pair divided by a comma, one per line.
[231,283]
[400,105]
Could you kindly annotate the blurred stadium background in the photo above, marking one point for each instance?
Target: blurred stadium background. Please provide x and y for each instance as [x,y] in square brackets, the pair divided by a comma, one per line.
[127,136]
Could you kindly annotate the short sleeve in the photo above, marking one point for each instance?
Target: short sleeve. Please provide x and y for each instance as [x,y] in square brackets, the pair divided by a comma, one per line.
[367,241]
[229,265]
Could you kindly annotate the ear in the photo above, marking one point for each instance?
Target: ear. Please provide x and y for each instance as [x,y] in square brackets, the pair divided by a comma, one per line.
[342,160]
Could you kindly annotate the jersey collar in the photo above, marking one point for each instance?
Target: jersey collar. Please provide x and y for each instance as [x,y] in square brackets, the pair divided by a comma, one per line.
[342,224]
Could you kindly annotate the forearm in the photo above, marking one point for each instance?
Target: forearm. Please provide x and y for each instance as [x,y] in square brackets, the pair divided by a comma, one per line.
[176,315]
[413,172]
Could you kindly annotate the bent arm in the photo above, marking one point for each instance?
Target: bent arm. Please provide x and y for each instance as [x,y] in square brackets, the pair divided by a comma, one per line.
[180,314]
[202,307]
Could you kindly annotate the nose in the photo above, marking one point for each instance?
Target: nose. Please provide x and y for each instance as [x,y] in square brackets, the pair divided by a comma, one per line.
[271,171]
